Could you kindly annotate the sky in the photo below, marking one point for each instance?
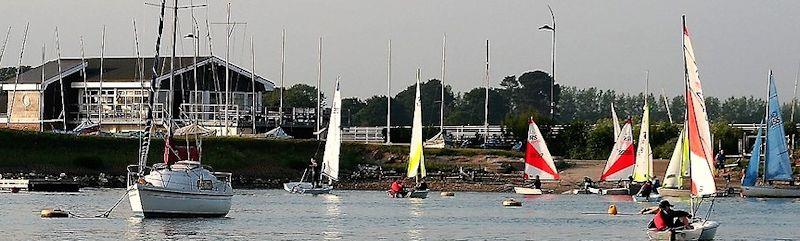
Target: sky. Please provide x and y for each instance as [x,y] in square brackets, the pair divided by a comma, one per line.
[603,44]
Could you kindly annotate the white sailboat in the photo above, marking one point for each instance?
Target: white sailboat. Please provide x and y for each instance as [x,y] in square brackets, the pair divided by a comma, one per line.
[438,141]
[699,150]
[777,166]
[538,161]
[619,166]
[330,159]
[416,157]
[643,168]
[180,186]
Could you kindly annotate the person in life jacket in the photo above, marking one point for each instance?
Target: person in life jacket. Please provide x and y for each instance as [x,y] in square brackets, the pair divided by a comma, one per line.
[665,217]
[397,189]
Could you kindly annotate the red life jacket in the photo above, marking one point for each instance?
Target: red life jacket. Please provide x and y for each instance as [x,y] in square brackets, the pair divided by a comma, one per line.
[396,187]
[659,221]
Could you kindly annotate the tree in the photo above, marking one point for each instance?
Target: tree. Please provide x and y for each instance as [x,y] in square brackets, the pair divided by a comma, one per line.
[10,72]
[430,95]
[469,109]
[530,92]
[350,107]
[299,95]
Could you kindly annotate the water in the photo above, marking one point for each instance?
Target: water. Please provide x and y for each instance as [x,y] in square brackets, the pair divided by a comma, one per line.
[370,215]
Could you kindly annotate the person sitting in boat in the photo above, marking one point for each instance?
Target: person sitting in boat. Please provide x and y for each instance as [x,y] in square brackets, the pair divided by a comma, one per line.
[587,182]
[646,189]
[656,184]
[537,183]
[422,186]
[397,189]
[665,217]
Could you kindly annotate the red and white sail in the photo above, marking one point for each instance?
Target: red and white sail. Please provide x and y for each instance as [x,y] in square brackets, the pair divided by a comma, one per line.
[699,134]
[538,161]
[620,162]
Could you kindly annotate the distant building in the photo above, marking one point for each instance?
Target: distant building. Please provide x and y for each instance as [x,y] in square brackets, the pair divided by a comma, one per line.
[117,103]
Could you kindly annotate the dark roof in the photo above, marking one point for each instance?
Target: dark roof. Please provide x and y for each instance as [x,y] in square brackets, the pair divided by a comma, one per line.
[34,75]
[115,69]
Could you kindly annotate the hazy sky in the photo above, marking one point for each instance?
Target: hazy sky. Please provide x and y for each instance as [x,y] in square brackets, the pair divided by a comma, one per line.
[607,44]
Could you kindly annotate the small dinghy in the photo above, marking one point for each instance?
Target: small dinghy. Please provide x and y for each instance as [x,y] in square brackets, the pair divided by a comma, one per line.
[416,157]
[539,163]
[54,213]
[447,194]
[700,230]
[510,202]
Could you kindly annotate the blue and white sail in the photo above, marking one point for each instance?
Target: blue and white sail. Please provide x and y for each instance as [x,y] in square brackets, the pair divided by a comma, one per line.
[751,174]
[777,154]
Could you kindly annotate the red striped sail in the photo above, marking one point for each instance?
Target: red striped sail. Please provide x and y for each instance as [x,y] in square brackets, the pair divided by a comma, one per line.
[538,161]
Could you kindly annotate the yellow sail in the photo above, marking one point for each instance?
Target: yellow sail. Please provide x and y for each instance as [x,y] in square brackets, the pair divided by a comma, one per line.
[416,159]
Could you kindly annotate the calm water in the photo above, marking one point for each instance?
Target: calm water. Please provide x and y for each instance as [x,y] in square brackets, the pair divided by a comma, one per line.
[369,215]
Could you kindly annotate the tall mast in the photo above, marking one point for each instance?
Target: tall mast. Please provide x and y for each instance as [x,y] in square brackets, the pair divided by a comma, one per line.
[688,98]
[172,71]
[5,41]
[100,94]
[227,67]
[389,95]
[41,91]
[766,122]
[253,83]
[486,100]
[16,78]
[794,95]
[283,65]
[444,64]
[144,147]
[61,83]
[319,83]
[86,97]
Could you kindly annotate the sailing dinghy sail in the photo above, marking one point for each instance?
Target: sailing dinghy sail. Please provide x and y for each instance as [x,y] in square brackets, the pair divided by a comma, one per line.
[416,157]
[699,149]
[678,169]
[643,169]
[330,158]
[538,161]
[620,162]
[777,166]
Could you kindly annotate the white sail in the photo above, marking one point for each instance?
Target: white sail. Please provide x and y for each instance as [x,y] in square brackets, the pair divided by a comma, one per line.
[643,170]
[699,136]
[416,159]
[620,163]
[616,122]
[333,142]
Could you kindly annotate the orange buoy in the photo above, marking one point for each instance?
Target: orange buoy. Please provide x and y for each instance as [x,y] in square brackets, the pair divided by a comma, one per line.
[612,209]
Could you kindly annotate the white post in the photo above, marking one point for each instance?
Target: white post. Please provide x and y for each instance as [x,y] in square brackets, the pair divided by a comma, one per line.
[486,100]
[389,95]
[319,83]
[794,94]
[444,64]
[283,65]
[100,94]
[85,88]
[41,91]
[253,82]
[172,71]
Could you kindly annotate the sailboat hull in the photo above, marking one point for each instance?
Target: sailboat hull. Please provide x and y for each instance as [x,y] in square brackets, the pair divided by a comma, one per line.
[306,188]
[776,192]
[653,197]
[418,194]
[674,192]
[156,202]
[701,230]
[527,191]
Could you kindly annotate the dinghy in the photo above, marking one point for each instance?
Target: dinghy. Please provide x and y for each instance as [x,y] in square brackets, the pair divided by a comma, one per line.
[330,159]
[416,158]
[652,198]
[700,158]
[677,170]
[538,161]
[643,168]
[620,164]
[777,165]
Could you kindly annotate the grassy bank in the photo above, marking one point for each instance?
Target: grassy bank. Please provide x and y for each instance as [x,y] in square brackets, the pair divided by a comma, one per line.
[48,153]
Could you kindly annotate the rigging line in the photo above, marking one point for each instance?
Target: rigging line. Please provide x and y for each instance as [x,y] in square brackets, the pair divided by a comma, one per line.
[108,212]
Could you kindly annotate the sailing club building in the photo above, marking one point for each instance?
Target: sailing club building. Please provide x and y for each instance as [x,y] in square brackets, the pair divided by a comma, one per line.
[115,100]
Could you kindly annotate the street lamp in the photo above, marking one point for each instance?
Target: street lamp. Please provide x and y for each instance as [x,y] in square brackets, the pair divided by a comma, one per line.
[196,41]
[552,29]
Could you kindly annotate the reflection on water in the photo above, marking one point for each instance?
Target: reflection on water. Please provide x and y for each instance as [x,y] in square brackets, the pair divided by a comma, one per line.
[369,215]
[416,213]
[332,211]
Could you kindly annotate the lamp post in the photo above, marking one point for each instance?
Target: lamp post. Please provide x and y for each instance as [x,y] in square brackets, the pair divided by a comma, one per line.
[552,29]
